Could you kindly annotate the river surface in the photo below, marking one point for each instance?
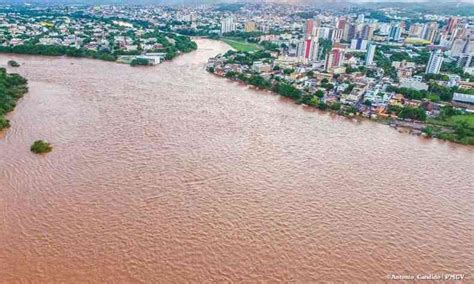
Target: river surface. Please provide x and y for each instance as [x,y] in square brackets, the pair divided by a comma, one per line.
[171,174]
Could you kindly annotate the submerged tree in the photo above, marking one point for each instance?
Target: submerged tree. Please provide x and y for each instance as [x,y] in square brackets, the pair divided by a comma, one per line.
[40,147]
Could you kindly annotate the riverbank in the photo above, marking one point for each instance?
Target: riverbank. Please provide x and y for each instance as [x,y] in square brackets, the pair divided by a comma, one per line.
[460,132]
[12,88]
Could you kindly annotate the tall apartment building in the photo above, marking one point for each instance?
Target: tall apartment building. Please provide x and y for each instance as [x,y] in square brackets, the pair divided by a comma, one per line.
[250,26]
[308,28]
[452,24]
[430,31]
[308,49]
[336,35]
[334,58]
[359,44]
[395,32]
[369,57]
[227,25]
[435,62]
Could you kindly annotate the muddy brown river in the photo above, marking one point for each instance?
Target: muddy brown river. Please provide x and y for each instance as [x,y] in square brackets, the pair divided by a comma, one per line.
[170,174]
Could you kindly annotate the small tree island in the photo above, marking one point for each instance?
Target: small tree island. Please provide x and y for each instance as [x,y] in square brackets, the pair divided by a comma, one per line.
[41,147]
[13,63]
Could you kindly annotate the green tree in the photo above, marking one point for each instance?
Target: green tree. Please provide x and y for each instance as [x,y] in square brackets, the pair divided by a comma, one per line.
[259,81]
[287,90]
[319,93]
[322,106]
[412,113]
[460,129]
[428,131]
[12,88]
[335,106]
[139,61]
[230,74]
[13,63]
[41,147]
[288,71]
[314,101]
[444,93]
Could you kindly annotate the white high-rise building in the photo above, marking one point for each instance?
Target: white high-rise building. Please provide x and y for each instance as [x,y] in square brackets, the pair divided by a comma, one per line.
[336,35]
[435,62]
[227,25]
[384,28]
[467,63]
[369,57]
[359,44]
[395,32]
[322,32]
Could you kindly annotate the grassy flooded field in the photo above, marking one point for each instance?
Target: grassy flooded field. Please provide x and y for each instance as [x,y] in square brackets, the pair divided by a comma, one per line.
[241,45]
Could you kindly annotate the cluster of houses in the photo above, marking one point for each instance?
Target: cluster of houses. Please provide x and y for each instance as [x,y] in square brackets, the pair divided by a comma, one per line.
[86,33]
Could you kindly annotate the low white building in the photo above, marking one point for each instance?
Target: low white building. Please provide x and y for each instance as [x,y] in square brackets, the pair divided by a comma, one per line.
[413,83]
[463,100]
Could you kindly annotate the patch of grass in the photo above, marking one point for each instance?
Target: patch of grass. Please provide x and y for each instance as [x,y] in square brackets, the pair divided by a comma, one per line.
[468,118]
[241,45]
[457,128]
[452,120]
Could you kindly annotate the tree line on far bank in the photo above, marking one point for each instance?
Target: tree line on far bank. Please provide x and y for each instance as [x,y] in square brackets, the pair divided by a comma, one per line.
[181,44]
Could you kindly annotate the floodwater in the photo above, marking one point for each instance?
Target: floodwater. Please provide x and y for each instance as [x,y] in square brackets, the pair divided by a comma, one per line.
[171,174]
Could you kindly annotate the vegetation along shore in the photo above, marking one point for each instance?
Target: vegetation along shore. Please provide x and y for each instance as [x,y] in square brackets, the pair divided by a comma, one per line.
[12,88]
[429,112]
